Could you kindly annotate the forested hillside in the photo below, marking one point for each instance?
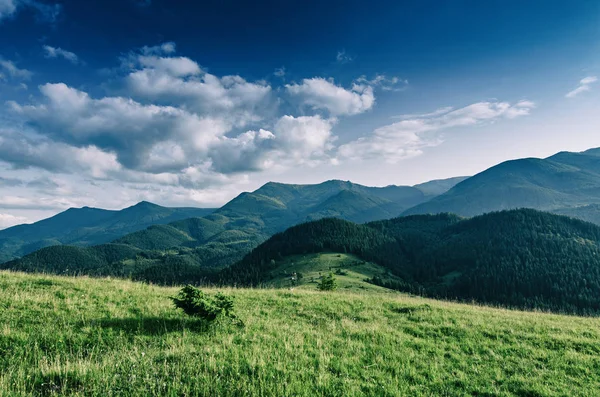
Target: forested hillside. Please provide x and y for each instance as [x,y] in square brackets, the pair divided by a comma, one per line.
[520,258]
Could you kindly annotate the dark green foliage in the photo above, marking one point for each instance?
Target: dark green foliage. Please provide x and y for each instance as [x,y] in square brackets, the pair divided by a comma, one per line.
[520,258]
[328,234]
[327,283]
[196,303]
[70,260]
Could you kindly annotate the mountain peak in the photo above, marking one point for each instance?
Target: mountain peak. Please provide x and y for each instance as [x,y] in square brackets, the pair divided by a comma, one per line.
[145,204]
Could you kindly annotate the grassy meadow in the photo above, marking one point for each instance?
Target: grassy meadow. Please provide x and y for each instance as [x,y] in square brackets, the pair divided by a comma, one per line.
[350,272]
[102,337]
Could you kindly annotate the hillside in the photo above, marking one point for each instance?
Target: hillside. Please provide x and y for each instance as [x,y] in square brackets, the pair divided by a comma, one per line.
[192,249]
[94,337]
[561,181]
[87,226]
[519,258]
[439,186]
[590,213]
[306,271]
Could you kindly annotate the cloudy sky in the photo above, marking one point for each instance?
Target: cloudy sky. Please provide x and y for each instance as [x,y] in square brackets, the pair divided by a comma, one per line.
[109,102]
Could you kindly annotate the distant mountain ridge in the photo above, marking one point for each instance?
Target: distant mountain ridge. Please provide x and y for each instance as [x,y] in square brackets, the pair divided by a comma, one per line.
[558,183]
[88,226]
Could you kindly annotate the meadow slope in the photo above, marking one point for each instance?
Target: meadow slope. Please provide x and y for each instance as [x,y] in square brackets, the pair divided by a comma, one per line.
[102,337]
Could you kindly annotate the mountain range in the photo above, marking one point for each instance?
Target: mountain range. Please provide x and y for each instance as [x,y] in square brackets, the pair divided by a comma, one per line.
[88,226]
[441,255]
[201,245]
[565,183]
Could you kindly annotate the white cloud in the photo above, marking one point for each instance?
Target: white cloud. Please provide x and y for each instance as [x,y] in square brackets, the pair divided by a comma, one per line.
[13,70]
[181,81]
[342,57]
[584,85]
[8,220]
[408,138]
[279,72]
[53,52]
[44,12]
[384,83]
[304,140]
[7,8]
[319,93]
[118,124]
[436,112]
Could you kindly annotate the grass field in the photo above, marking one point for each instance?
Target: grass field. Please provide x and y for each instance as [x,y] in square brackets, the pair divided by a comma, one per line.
[312,267]
[99,337]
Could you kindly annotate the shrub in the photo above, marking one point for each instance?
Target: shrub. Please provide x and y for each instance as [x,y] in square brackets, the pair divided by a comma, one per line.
[327,283]
[196,303]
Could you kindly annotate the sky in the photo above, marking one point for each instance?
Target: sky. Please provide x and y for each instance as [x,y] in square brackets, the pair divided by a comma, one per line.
[105,103]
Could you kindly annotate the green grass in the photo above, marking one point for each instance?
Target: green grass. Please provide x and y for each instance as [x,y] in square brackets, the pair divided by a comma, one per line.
[100,337]
[312,267]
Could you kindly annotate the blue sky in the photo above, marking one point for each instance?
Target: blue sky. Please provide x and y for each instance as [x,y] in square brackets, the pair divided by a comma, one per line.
[106,103]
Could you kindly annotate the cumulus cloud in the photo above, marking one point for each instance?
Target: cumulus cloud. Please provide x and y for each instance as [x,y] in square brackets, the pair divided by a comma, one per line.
[116,124]
[319,93]
[53,52]
[293,141]
[12,70]
[408,138]
[584,85]
[21,152]
[159,76]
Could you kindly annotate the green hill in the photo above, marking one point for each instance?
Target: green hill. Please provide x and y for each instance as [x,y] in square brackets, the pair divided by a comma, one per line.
[305,272]
[519,258]
[87,226]
[95,337]
[561,181]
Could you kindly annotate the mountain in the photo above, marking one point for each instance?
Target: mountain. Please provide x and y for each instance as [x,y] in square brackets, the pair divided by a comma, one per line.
[560,181]
[194,248]
[276,206]
[519,258]
[590,213]
[439,186]
[87,226]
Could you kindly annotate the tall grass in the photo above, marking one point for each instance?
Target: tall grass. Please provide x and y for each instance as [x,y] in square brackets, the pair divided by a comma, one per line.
[99,337]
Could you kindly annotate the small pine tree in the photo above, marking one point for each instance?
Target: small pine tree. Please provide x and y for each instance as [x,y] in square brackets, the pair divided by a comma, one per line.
[209,308]
[328,283]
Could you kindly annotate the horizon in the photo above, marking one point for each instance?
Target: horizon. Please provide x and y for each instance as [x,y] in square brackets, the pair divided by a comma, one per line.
[276,182]
[190,106]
